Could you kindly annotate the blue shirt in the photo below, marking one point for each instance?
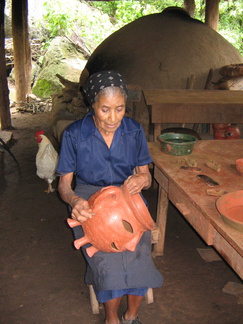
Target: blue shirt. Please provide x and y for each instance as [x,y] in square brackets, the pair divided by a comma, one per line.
[85,152]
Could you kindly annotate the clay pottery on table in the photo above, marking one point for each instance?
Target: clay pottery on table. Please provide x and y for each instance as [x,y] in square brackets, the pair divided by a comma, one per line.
[219,130]
[219,133]
[232,132]
[220,126]
[118,222]
[230,207]
[239,166]
[225,131]
[177,143]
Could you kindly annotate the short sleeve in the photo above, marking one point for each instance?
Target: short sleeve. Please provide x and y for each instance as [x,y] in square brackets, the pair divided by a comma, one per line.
[68,154]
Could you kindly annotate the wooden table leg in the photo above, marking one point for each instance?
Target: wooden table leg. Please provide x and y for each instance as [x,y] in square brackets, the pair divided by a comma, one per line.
[161,219]
[157,131]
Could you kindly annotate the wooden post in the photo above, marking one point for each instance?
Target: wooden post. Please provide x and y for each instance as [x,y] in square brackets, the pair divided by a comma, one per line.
[212,13]
[27,48]
[161,220]
[189,6]
[5,119]
[93,301]
[19,49]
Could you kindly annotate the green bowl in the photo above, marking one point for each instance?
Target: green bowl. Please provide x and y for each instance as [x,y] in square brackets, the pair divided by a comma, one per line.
[177,143]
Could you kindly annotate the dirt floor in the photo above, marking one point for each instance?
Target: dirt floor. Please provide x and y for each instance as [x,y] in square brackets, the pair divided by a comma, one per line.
[42,274]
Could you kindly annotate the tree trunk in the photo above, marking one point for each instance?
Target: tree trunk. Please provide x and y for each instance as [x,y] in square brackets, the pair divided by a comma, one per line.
[19,49]
[5,118]
[212,13]
[28,62]
[189,6]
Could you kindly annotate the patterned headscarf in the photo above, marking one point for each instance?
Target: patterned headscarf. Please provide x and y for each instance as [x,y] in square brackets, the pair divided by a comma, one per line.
[100,80]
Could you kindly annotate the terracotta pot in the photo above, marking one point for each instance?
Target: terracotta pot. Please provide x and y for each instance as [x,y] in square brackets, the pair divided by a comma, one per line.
[230,207]
[118,224]
[239,166]
[232,132]
[219,133]
[220,126]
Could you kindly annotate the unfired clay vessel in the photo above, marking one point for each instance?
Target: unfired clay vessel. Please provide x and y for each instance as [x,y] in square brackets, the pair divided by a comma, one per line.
[120,220]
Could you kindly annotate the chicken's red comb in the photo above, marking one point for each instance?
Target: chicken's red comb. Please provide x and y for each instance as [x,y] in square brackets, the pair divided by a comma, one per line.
[40,132]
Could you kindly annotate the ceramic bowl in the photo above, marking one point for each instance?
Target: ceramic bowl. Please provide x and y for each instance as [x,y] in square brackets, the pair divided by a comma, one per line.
[230,207]
[177,143]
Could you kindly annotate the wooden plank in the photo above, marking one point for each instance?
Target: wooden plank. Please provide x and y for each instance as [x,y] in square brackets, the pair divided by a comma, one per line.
[179,113]
[149,297]
[234,259]
[198,221]
[161,219]
[93,301]
[189,195]
[161,179]
[195,106]
[193,97]
[224,152]
[157,131]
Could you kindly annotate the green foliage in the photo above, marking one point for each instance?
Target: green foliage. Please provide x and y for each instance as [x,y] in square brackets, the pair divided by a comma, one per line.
[65,17]
[124,12]
[95,20]
[230,22]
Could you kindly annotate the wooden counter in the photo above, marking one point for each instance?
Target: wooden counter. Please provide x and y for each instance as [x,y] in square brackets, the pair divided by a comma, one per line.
[189,195]
[193,106]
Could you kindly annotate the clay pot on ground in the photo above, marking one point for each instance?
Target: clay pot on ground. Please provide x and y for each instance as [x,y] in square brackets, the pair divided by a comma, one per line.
[118,222]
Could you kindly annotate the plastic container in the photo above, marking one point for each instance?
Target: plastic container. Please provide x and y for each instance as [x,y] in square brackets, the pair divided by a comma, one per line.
[177,143]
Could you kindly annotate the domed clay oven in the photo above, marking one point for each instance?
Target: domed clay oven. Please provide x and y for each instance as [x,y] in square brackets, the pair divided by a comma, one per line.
[162,51]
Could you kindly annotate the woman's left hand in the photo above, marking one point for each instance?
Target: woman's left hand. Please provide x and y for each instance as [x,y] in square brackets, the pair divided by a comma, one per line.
[139,181]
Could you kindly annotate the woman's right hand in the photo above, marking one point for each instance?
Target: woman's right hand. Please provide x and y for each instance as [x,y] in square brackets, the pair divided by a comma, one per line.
[81,210]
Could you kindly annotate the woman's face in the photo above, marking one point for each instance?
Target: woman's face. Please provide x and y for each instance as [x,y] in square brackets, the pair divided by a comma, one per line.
[109,111]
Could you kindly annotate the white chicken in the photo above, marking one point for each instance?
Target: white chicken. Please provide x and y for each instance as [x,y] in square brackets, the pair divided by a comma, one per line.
[46,160]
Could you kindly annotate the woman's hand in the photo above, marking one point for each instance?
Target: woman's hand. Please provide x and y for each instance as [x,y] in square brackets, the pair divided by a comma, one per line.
[80,207]
[135,183]
[139,181]
[80,210]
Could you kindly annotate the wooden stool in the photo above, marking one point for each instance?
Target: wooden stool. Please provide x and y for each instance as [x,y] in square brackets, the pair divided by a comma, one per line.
[95,306]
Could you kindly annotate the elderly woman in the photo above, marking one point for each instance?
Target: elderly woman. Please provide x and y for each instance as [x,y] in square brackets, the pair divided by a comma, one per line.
[102,149]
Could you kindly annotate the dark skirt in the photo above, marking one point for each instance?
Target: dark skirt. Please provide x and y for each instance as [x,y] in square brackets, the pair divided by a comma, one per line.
[122,270]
